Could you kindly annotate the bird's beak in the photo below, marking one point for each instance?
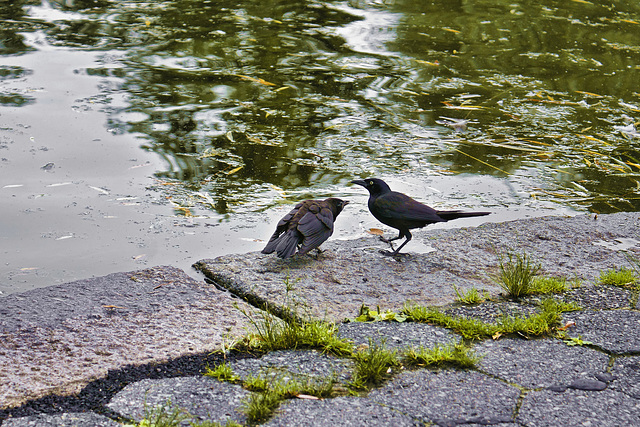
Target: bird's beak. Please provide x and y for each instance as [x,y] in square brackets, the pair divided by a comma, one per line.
[359,182]
[346,202]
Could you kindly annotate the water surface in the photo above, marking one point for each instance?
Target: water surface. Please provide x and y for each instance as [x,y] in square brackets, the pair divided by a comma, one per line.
[138,133]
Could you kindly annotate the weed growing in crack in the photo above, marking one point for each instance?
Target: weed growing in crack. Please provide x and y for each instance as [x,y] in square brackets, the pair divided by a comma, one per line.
[161,416]
[273,333]
[517,274]
[267,393]
[623,278]
[552,285]
[222,372]
[373,364]
[537,324]
[456,354]
[292,331]
[471,297]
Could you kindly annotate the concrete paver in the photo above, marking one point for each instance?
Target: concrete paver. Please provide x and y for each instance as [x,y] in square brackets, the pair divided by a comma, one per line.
[138,340]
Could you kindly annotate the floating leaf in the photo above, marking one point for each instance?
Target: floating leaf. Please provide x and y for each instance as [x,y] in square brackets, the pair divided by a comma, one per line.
[375,232]
[433,64]
[257,80]
[234,170]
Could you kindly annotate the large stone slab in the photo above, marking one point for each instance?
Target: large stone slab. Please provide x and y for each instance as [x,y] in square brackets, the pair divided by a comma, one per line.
[579,408]
[197,399]
[615,331]
[351,273]
[396,336]
[307,366]
[449,397]
[341,411]
[56,340]
[66,419]
[540,363]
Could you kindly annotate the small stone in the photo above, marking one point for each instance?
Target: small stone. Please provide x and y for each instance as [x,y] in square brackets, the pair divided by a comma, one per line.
[588,385]
[605,377]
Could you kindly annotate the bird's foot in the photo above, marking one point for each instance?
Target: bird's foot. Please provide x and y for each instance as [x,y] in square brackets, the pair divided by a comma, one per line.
[389,241]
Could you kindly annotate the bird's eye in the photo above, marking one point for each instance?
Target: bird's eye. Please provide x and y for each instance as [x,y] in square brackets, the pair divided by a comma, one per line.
[370,182]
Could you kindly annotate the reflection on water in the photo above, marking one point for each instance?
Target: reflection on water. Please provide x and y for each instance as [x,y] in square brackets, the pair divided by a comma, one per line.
[251,100]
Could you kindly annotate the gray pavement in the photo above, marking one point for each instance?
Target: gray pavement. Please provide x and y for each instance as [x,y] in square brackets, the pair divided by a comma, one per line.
[108,351]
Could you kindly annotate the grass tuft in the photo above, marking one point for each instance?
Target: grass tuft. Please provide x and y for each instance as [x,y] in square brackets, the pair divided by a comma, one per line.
[269,392]
[273,333]
[623,277]
[260,406]
[471,297]
[372,365]
[458,355]
[222,372]
[517,274]
[552,285]
[161,416]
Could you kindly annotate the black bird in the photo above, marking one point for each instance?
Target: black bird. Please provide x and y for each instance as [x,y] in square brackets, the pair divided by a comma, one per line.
[402,212]
[306,227]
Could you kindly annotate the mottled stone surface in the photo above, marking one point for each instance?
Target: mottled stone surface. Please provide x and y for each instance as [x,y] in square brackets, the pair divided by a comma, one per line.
[56,340]
[579,408]
[196,398]
[539,363]
[351,273]
[615,331]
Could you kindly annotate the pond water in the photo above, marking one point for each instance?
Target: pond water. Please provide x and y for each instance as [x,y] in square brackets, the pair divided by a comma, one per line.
[139,133]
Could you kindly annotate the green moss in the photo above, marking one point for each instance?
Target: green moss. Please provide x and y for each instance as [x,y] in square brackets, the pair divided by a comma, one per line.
[468,328]
[457,355]
[623,277]
[222,372]
[537,324]
[471,297]
[551,285]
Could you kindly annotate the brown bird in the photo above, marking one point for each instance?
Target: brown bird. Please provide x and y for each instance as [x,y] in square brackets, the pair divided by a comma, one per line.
[306,227]
[402,212]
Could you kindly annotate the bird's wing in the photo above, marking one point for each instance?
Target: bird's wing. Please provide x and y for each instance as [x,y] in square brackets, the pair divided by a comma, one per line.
[316,228]
[399,206]
[285,219]
[281,227]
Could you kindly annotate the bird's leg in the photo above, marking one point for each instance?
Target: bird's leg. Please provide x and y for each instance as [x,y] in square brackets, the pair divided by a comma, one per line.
[397,251]
[318,253]
[391,240]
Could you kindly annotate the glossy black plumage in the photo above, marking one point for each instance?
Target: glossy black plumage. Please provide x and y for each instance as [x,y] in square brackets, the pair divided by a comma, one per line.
[306,227]
[400,211]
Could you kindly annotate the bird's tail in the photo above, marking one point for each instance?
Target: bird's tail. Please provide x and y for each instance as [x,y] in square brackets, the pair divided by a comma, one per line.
[272,244]
[288,243]
[449,215]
